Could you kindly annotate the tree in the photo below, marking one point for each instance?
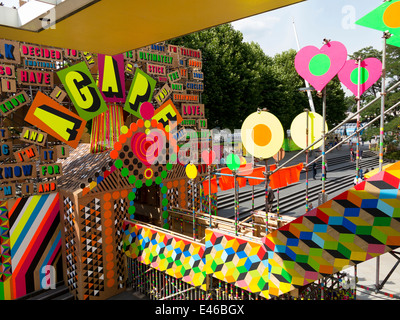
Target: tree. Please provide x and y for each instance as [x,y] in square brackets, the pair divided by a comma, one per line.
[234,72]
[294,102]
[240,78]
[392,77]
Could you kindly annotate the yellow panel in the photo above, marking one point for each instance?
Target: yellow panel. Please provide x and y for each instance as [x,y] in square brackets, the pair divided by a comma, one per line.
[116,26]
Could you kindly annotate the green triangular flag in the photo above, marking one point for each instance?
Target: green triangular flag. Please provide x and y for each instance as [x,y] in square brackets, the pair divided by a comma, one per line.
[383,18]
[394,41]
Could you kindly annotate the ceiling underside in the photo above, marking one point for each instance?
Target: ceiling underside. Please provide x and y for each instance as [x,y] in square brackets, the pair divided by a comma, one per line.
[116,26]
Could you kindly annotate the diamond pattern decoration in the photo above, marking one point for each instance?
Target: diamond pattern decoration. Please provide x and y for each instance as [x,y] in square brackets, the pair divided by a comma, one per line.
[177,257]
[70,245]
[359,224]
[121,213]
[92,251]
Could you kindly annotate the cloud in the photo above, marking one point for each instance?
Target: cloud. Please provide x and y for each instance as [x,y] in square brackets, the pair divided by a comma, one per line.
[256,24]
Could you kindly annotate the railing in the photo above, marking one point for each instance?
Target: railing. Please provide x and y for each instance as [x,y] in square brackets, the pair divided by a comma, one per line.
[182,222]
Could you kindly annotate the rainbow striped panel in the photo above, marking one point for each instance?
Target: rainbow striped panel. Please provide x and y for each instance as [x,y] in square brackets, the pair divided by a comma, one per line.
[35,241]
[359,224]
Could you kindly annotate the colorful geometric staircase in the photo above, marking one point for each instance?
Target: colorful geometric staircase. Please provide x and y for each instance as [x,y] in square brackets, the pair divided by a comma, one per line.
[360,224]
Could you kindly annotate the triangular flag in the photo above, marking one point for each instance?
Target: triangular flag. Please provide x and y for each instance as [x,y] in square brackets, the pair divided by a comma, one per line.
[383,18]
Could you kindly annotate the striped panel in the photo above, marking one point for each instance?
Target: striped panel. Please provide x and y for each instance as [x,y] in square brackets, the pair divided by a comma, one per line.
[33,222]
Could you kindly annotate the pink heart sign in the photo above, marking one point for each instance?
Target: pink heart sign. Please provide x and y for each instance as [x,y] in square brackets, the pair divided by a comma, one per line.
[147,148]
[370,72]
[208,156]
[319,66]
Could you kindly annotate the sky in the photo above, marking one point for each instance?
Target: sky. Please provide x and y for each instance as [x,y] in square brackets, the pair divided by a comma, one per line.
[314,20]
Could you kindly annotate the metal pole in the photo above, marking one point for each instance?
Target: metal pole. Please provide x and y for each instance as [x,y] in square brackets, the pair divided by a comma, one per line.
[307,111]
[358,119]
[310,100]
[381,130]
[209,191]
[266,195]
[193,212]
[356,131]
[277,189]
[335,128]
[323,144]
[383,95]
[236,206]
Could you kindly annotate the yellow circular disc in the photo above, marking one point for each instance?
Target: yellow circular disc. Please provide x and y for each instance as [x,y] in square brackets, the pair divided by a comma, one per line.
[191,171]
[298,130]
[262,134]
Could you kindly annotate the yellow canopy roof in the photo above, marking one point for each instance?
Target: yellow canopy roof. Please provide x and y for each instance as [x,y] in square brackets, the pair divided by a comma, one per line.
[116,26]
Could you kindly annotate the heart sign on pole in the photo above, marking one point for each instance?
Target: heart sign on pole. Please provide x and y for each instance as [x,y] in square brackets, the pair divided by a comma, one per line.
[320,66]
[370,72]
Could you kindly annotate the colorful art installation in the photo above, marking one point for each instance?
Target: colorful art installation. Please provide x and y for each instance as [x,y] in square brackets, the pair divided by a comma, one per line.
[262,134]
[320,66]
[60,225]
[31,244]
[299,134]
[178,257]
[355,226]
[370,72]
[87,248]
[106,128]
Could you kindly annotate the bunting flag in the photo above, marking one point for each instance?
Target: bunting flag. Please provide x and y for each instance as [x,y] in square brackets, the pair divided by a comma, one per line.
[257,173]
[281,178]
[106,128]
[285,176]
[214,186]
[226,183]
[383,18]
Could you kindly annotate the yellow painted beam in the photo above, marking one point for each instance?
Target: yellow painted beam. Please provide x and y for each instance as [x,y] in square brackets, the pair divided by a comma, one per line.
[116,26]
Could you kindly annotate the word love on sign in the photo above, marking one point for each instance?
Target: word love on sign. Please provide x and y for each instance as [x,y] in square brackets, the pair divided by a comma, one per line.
[56,120]
[192,111]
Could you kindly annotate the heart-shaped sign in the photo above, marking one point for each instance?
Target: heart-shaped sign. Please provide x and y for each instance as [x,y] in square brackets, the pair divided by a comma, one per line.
[319,66]
[370,72]
[208,156]
[148,147]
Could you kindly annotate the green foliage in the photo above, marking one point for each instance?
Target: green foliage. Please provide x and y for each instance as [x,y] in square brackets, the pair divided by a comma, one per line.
[240,78]
[392,77]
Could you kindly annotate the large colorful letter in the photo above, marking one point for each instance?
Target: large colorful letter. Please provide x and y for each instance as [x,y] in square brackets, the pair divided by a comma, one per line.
[112,78]
[81,88]
[49,116]
[141,91]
